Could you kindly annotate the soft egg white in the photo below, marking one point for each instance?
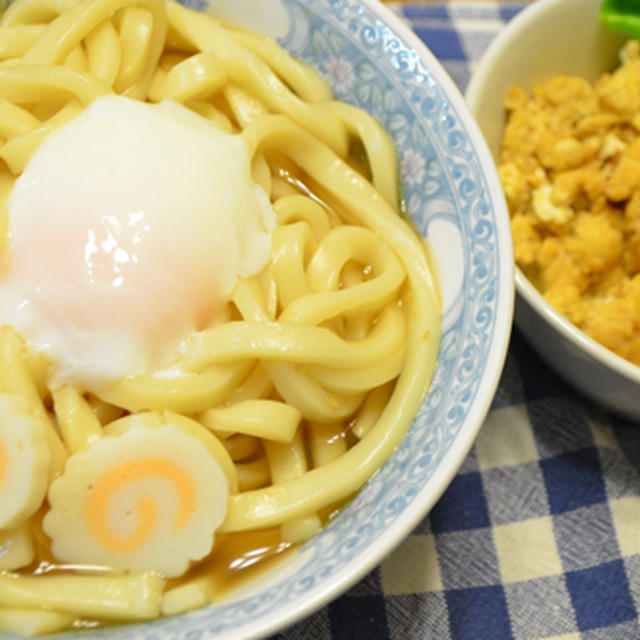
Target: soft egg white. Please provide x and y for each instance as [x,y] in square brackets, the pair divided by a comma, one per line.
[127,230]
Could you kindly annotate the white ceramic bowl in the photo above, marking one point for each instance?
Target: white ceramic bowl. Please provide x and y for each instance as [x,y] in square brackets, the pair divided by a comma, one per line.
[453,194]
[545,39]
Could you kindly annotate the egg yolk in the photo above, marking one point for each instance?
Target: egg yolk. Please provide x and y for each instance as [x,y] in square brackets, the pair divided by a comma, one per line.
[127,230]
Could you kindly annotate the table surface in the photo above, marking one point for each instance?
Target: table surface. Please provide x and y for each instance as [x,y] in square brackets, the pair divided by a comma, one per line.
[537,536]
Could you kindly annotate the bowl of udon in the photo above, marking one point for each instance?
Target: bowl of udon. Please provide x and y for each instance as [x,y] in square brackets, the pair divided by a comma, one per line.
[256,295]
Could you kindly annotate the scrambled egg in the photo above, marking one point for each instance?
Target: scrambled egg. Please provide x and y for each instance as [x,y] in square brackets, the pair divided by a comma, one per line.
[570,170]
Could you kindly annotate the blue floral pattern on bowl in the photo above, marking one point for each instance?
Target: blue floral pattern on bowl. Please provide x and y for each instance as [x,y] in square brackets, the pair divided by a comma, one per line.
[371,65]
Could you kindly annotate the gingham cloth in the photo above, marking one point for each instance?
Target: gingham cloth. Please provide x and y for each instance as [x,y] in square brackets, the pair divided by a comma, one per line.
[538,536]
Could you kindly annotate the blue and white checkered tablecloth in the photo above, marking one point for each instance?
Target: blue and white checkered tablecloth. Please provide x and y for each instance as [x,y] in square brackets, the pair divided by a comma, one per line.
[538,535]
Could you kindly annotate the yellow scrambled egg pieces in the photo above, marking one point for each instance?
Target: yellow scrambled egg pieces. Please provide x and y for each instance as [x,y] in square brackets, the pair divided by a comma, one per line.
[570,170]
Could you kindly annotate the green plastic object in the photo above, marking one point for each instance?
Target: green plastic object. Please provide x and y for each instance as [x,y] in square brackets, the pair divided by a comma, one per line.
[622,15]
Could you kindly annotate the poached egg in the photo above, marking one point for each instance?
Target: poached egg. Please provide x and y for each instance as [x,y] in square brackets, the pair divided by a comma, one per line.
[128,230]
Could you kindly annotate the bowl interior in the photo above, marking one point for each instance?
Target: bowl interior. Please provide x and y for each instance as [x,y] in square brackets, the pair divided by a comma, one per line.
[545,39]
[453,196]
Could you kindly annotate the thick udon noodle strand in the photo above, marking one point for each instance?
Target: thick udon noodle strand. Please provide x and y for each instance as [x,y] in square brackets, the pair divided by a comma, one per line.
[317,365]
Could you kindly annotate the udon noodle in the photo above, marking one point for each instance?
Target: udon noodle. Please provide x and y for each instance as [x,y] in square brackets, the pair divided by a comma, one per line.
[321,361]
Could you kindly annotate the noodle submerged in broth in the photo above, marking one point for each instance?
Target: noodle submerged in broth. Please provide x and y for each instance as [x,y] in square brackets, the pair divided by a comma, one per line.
[159,486]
